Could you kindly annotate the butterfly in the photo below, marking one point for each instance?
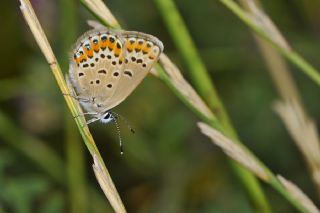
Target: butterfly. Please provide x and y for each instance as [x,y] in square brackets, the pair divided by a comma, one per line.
[107,65]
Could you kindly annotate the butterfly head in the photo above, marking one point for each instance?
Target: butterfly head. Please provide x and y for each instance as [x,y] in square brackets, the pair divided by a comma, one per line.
[107,117]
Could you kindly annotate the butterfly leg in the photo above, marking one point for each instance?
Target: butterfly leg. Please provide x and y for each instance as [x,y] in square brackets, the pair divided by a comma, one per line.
[78,98]
[86,113]
[92,120]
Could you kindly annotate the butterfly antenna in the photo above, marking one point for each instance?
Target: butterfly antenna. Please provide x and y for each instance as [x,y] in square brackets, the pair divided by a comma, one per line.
[119,135]
[116,116]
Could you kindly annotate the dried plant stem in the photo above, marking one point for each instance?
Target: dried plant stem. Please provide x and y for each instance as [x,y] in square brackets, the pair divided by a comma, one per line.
[255,24]
[304,133]
[44,45]
[204,85]
[75,153]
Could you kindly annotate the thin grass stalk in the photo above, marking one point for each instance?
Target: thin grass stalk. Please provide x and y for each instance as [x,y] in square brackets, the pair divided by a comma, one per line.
[203,84]
[278,68]
[73,106]
[256,26]
[75,164]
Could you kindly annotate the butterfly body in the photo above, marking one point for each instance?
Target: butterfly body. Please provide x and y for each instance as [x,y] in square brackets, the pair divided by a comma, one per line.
[107,65]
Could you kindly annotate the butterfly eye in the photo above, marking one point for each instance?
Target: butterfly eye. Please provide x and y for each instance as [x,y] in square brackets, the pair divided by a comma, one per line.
[107,116]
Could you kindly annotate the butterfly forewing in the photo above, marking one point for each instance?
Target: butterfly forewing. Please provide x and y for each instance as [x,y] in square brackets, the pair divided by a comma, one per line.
[141,52]
[98,60]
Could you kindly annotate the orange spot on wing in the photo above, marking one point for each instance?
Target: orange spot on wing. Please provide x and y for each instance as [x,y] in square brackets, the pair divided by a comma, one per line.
[139,46]
[130,46]
[111,45]
[82,57]
[96,47]
[89,52]
[103,44]
[117,51]
[145,49]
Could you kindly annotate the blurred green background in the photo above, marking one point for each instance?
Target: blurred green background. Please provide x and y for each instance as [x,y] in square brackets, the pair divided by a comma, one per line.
[168,165]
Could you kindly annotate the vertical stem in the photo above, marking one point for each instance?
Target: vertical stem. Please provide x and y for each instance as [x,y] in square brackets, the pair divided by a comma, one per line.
[76,175]
[203,84]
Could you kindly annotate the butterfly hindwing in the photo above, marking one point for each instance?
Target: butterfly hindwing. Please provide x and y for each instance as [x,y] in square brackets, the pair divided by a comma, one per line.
[141,52]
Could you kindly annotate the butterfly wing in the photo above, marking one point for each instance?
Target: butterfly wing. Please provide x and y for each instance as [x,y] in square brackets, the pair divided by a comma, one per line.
[96,67]
[141,52]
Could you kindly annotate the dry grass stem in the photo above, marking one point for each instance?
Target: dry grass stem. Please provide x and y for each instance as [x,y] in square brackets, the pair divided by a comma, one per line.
[276,64]
[278,70]
[304,132]
[183,86]
[233,150]
[298,195]
[268,31]
[265,23]
[37,31]
[41,39]
[104,180]
[101,11]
